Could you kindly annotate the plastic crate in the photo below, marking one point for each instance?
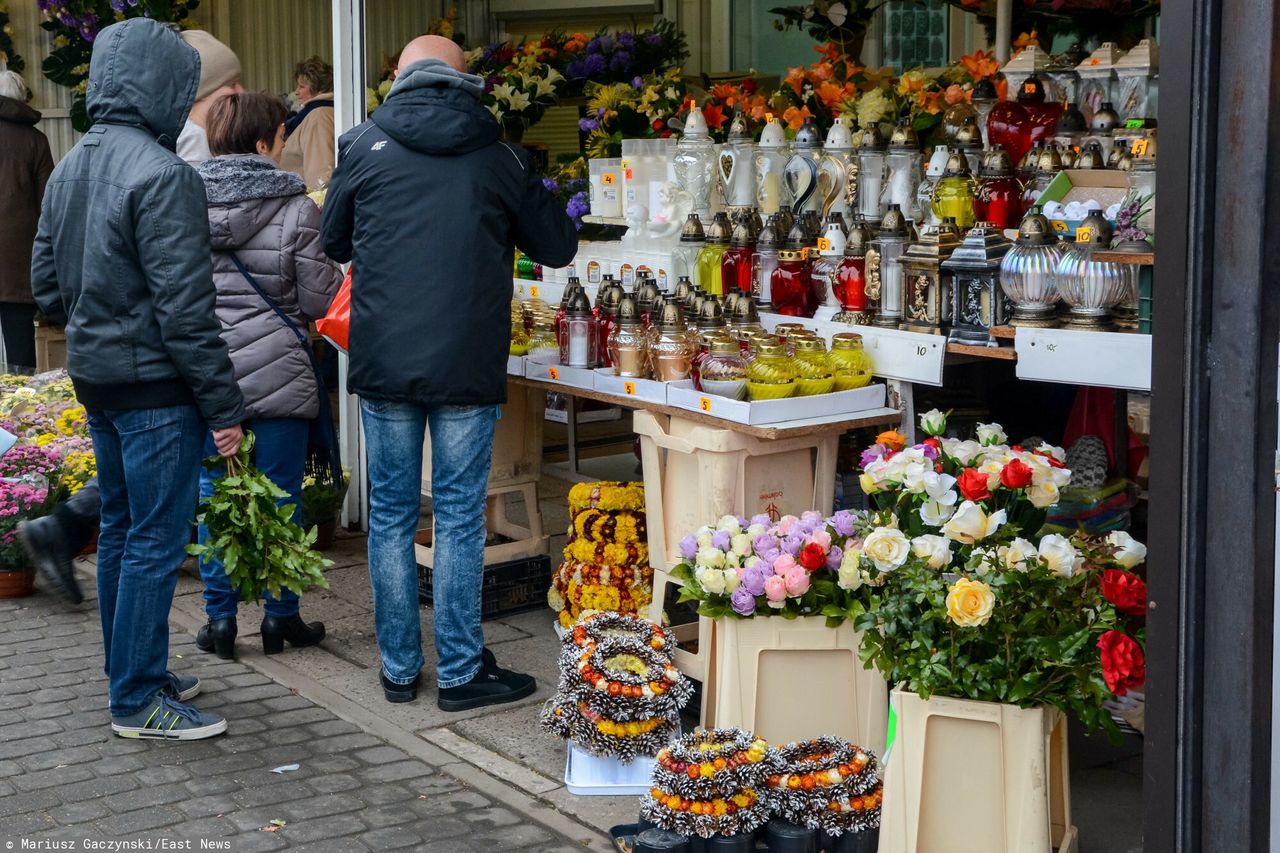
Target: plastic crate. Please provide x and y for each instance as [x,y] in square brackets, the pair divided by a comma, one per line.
[511,587]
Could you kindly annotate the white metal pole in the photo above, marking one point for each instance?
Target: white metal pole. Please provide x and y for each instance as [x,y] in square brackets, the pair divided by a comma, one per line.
[348,107]
[1004,30]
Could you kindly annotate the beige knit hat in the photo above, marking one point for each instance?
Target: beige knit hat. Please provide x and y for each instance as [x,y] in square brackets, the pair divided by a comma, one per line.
[218,63]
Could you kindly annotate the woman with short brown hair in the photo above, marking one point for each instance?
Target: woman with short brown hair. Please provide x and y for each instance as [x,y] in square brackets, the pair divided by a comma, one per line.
[309,138]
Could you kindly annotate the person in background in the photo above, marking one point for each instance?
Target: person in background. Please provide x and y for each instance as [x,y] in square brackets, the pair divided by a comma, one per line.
[122,261]
[219,77]
[309,137]
[260,216]
[53,541]
[25,164]
[425,177]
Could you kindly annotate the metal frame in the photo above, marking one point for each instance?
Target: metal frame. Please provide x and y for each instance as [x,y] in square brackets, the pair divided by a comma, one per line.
[1211,629]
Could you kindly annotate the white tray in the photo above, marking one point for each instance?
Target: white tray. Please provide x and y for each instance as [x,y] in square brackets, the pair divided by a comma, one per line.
[641,389]
[589,776]
[683,396]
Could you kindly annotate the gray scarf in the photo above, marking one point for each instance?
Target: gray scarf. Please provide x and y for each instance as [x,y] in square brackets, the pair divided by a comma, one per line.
[234,178]
[437,72]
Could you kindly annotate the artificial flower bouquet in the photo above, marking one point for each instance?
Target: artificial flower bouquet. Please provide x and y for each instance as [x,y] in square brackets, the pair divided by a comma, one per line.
[971,603]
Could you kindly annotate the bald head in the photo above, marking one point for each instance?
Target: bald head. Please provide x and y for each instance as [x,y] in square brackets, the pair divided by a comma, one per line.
[432,47]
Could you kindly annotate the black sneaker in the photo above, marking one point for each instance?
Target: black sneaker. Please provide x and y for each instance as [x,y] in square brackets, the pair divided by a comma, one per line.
[493,685]
[399,692]
[47,546]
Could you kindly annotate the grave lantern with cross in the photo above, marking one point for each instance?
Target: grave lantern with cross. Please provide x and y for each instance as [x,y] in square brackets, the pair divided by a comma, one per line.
[977,302]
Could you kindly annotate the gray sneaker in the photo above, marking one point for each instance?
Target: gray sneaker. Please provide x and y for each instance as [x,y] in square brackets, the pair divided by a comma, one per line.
[167,719]
[184,688]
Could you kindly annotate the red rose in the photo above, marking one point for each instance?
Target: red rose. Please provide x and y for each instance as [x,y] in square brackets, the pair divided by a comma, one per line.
[1050,458]
[813,556]
[658,124]
[973,485]
[1015,475]
[1123,665]
[932,441]
[1126,591]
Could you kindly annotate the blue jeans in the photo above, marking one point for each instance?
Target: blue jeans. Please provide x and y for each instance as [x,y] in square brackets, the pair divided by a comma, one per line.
[280,452]
[148,473]
[461,447]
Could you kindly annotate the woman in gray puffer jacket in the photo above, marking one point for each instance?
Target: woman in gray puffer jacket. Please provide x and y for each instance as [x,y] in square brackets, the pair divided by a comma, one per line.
[260,215]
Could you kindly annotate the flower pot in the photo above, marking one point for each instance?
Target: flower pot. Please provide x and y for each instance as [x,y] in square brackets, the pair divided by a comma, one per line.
[660,841]
[867,841]
[17,583]
[785,837]
[796,679]
[1011,763]
[324,535]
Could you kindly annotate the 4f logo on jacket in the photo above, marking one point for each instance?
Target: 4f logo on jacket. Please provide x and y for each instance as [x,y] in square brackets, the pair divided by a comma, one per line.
[378,146]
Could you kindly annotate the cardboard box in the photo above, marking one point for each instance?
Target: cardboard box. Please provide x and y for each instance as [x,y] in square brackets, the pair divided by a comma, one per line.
[648,390]
[515,365]
[1105,186]
[577,377]
[684,396]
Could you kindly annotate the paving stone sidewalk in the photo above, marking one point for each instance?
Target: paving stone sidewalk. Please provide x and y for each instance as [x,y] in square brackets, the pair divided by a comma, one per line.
[64,776]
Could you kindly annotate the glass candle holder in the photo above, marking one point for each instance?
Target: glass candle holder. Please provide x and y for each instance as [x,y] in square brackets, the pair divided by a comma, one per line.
[884,274]
[671,349]
[579,347]
[771,374]
[764,262]
[791,289]
[1092,288]
[953,196]
[904,163]
[813,368]
[871,174]
[851,364]
[772,153]
[851,277]
[723,370]
[695,161]
[801,174]
[1027,273]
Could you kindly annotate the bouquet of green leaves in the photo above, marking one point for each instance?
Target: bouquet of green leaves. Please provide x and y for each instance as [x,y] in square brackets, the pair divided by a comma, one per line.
[255,537]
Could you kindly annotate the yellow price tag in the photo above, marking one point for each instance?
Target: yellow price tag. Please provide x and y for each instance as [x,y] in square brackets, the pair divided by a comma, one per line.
[533,291]
[608,178]
[824,244]
[1059,225]
[704,403]
[1140,147]
[768,117]
[1029,88]
[629,387]
[553,373]
[1084,234]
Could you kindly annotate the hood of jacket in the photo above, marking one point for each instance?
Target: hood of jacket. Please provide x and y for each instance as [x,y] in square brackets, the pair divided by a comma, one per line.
[17,112]
[436,109]
[144,75]
[245,193]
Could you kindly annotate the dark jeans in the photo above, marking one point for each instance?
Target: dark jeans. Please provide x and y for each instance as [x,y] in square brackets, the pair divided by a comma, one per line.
[280,452]
[18,326]
[148,475]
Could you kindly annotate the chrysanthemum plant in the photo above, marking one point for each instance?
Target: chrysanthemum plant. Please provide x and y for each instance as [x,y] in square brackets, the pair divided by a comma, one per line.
[968,606]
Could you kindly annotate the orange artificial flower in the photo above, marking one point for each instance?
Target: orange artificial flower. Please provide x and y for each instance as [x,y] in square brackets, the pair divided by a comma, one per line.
[1002,89]
[821,71]
[830,94]
[724,91]
[892,439]
[829,51]
[795,79]
[795,117]
[930,102]
[759,108]
[956,93]
[1026,40]
[980,64]
[714,115]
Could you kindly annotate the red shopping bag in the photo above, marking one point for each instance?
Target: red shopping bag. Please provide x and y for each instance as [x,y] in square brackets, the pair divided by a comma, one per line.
[336,324]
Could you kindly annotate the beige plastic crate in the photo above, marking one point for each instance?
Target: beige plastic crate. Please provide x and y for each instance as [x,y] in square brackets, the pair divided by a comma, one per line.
[796,679]
[517,441]
[977,777]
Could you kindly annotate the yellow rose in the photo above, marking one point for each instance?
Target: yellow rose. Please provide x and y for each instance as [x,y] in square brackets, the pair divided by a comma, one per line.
[868,484]
[969,603]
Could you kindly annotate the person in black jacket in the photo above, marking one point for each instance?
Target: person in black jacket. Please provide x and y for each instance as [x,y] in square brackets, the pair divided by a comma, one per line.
[122,261]
[428,204]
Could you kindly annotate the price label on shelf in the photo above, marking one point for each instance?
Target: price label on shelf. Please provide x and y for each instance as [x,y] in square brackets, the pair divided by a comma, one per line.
[629,174]
[1072,357]
[520,289]
[629,387]
[553,373]
[1084,234]
[608,179]
[1094,62]
[1135,124]
[533,291]
[1058,225]
[824,244]
[1140,147]
[704,403]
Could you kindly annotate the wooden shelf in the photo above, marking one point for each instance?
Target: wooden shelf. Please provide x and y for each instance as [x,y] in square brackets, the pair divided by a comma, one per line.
[1005,333]
[1141,259]
[996,353]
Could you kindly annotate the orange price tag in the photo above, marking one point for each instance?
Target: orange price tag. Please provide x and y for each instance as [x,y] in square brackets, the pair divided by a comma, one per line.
[553,373]
[629,387]
[533,291]
[1140,147]
[607,179]
[704,403]
[1084,234]
[1095,61]
[804,253]
[629,174]
[768,117]
[1029,88]
[824,244]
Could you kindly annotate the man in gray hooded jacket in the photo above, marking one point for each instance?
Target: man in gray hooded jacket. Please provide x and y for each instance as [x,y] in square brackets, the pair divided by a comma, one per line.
[122,261]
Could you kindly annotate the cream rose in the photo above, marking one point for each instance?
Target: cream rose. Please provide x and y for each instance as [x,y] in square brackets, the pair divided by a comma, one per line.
[1042,495]
[991,434]
[711,580]
[970,602]
[933,422]
[970,524]
[1014,556]
[1060,555]
[935,550]
[887,548]
[710,558]
[1129,551]
[936,513]
[732,580]
[742,545]
[729,524]
[963,452]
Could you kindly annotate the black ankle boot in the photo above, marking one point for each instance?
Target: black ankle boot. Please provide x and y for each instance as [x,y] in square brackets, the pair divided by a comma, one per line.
[277,629]
[218,636]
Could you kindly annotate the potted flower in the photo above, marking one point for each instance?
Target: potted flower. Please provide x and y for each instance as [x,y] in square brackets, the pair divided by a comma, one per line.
[321,503]
[783,596]
[991,635]
[19,502]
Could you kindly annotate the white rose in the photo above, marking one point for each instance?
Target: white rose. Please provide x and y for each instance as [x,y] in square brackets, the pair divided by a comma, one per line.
[963,452]
[729,524]
[852,559]
[936,513]
[849,577]
[731,581]
[933,422]
[732,560]
[1015,555]
[984,562]
[938,487]
[992,469]
[991,434]
[710,558]
[756,530]
[936,550]
[1056,452]
[1129,551]
[703,538]
[970,524]
[742,545]
[913,477]
[711,580]
[1060,555]
[887,548]
[1042,495]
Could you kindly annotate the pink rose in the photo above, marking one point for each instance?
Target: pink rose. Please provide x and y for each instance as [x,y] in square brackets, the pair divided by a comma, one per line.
[786,523]
[775,588]
[783,564]
[821,537]
[797,581]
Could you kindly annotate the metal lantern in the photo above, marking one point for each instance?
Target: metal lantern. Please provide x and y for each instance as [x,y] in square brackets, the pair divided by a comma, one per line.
[977,302]
[969,141]
[1091,288]
[1026,63]
[884,272]
[928,287]
[1063,78]
[903,162]
[1096,74]
[695,162]
[802,170]
[737,170]
[871,171]
[772,154]
[1027,272]
[1070,133]
[1136,88]
[838,170]
[1091,157]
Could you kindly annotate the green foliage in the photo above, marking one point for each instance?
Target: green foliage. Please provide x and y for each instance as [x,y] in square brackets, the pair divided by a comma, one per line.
[260,546]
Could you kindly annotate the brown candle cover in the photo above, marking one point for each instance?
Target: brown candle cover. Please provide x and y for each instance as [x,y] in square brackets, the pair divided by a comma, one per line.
[673,366]
[630,361]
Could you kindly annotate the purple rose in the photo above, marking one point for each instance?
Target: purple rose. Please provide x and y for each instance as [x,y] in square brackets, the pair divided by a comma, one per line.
[653,39]
[688,547]
[763,543]
[627,40]
[742,521]
[762,519]
[586,125]
[842,521]
[743,602]
[595,65]
[771,555]
[550,185]
[834,558]
[793,543]
[812,518]
[753,580]
[930,452]
[871,454]
[621,61]
[721,539]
